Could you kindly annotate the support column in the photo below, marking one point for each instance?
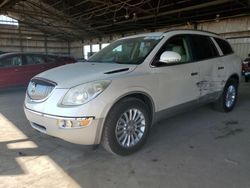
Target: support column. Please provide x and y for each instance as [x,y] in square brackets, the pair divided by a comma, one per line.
[20,38]
[68,48]
[46,44]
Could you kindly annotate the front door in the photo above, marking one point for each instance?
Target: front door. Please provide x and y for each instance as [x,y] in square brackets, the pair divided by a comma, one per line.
[10,74]
[177,82]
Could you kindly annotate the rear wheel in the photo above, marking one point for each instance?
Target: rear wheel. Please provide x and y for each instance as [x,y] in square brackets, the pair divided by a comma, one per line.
[126,127]
[246,79]
[228,99]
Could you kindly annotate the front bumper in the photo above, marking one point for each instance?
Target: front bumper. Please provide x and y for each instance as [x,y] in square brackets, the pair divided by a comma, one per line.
[48,124]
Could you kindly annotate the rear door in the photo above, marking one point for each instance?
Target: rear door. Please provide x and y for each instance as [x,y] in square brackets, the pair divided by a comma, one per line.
[52,61]
[207,55]
[227,56]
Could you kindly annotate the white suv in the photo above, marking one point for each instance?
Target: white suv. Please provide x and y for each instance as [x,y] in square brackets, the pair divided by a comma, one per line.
[120,92]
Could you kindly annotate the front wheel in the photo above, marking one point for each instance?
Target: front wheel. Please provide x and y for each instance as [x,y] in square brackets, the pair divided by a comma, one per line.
[228,99]
[126,127]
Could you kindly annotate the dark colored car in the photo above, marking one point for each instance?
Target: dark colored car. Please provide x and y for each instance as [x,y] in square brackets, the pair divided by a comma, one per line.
[246,68]
[16,69]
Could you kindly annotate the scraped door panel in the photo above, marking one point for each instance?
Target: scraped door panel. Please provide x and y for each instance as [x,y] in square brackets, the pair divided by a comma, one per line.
[177,84]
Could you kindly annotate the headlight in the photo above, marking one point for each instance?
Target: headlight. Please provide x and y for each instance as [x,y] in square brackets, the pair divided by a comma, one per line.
[84,93]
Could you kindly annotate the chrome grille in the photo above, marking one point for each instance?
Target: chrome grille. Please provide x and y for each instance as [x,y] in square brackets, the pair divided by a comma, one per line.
[40,89]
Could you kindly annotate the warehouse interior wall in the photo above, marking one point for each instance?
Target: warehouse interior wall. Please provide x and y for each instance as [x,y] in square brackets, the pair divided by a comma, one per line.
[16,38]
[20,38]
[236,30]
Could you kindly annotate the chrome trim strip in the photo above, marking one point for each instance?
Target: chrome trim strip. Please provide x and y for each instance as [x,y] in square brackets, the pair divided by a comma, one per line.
[59,117]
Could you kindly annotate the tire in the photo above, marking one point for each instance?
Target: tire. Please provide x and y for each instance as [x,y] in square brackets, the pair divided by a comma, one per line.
[246,79]
[228,99]
[126,138]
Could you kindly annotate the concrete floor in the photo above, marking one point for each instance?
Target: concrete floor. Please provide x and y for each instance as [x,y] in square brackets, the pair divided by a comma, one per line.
[200,148]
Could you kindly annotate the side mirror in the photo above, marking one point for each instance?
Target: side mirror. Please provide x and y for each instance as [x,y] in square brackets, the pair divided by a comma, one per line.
[170,57]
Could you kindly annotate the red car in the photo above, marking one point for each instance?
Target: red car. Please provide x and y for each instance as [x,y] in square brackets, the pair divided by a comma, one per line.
[246,68]
[16,69]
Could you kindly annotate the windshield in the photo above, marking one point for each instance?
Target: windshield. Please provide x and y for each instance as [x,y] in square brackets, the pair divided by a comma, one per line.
[127,51]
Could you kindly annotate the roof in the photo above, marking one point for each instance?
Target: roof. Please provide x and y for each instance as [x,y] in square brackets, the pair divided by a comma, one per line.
[178,31]
[84,19]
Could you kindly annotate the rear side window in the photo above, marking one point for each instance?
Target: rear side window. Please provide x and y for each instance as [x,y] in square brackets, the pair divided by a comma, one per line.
[39,59]
[203,47]
[51,59]
[224,46]
[34,59]
[29,60]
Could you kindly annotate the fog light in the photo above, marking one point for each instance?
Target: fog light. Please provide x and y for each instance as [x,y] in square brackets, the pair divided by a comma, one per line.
[65,123]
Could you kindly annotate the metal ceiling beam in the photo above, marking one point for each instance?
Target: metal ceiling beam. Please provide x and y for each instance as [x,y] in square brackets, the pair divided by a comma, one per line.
[63,17]
[174,11]
[178,21]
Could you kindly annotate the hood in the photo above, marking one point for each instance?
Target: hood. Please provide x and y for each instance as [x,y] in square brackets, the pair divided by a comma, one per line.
[68,76]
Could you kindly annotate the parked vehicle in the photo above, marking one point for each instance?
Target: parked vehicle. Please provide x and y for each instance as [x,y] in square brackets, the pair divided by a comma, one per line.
[120,92]
[16,69]
[246,68]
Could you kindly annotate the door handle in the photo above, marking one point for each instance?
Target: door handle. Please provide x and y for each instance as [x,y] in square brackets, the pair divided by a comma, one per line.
[194,73]
[220,68]
[15,70]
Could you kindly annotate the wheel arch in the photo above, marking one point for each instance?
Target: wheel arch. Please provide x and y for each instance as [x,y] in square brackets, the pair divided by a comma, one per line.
[146,98]
[235,77]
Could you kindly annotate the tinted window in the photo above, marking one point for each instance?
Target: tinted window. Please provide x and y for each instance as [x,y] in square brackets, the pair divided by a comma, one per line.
[39,59]
[30,60]
[179,44]
[203,47]
[35,59]
[224,46]
[51,59]
[11,61]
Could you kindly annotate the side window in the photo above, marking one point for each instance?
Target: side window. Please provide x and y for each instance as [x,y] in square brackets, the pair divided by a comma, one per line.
[203,47]
[29,60]
[11,61]
[224,46]
[179,44]
[38,59]
[118,49]
[51,59]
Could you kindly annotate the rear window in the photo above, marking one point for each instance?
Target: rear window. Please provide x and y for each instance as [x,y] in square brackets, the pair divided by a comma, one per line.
[224,46]
[203,47]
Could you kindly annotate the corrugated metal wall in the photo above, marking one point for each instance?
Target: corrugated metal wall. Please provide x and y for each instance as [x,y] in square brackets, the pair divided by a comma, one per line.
[241,46]
[236,30]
